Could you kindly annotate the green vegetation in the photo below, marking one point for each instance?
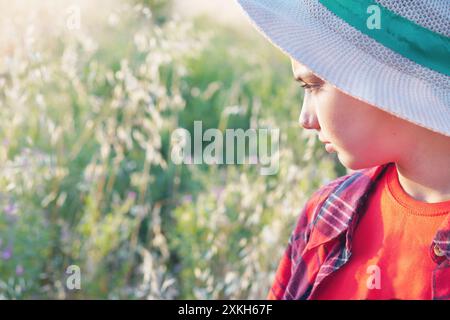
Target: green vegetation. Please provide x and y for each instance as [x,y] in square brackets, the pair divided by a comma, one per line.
[86,118]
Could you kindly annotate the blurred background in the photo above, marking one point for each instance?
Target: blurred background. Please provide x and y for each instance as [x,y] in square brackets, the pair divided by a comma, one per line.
[90,92]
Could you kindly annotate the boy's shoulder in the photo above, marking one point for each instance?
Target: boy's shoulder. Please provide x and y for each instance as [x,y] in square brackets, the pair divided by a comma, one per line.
[339,198]
[350,187]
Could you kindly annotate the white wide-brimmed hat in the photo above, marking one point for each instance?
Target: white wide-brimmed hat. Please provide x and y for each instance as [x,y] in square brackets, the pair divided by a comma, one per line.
[393,54]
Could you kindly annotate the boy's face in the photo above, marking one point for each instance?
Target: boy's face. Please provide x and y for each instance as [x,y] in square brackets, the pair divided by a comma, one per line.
[361,134]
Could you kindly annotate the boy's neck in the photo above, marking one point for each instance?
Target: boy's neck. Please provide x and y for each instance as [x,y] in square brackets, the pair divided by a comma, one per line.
[424,169]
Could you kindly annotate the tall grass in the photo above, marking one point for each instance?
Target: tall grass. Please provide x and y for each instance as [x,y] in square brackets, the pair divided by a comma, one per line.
[86,178]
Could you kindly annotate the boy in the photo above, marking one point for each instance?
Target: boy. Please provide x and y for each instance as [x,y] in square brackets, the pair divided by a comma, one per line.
[380,99]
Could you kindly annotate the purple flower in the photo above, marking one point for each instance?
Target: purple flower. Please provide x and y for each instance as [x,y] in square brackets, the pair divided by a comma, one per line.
[11,208]
[218,191]
[131,195]
[7,253]
[187,199]
[10,211]
[19,270]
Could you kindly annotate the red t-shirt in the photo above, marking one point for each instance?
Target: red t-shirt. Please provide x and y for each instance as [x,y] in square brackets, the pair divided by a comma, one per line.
[391,247]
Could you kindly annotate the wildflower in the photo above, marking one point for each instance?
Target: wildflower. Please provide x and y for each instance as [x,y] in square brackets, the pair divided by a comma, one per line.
[19,270]
[7,253]
[131,195]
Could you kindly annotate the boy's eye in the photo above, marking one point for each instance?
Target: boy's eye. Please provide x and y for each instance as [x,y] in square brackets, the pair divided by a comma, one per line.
[308,86]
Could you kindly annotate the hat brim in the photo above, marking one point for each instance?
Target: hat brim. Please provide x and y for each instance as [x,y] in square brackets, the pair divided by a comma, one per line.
[290,27]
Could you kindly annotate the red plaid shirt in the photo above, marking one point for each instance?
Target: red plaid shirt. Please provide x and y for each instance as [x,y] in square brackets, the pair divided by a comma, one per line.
[318,246]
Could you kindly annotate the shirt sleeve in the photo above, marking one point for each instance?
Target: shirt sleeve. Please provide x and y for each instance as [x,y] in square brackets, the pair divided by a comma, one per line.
[282,277]
[298,241]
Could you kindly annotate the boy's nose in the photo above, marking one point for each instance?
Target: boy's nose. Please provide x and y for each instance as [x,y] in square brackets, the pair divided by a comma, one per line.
[308,117]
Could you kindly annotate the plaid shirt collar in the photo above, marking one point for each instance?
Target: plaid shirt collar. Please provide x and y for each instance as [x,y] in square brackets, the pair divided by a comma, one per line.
[340,212]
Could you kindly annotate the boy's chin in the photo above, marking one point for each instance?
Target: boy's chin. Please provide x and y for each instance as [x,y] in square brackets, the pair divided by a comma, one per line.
[354,162]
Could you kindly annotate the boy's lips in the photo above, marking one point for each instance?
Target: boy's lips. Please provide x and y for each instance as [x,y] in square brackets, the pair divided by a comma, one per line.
[329,147]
